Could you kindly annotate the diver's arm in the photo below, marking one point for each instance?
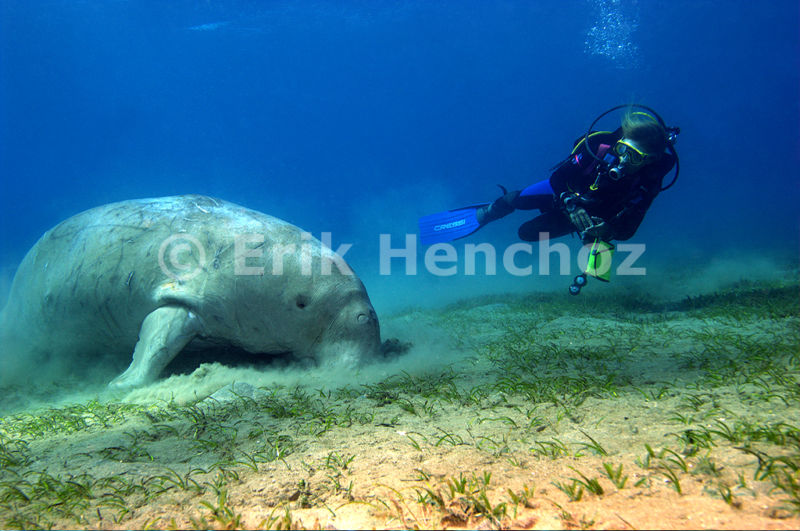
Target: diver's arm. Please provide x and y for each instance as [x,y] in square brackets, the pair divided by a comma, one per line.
[626,222]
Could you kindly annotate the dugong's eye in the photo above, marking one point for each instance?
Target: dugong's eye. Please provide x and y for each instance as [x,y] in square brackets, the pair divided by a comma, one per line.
[301,301]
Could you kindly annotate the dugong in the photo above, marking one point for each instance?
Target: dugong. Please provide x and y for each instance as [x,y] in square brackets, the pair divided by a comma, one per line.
[144,278]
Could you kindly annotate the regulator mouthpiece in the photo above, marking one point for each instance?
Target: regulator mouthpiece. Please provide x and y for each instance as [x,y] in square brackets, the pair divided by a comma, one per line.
[616,173]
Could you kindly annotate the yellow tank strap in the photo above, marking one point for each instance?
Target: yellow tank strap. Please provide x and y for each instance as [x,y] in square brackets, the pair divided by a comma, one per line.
[579,144]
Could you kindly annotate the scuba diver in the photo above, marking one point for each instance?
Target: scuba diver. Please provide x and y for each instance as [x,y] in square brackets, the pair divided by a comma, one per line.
[601,191]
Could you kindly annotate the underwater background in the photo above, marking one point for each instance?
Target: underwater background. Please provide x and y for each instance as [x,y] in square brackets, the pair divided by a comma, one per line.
[357,118]
[663,400]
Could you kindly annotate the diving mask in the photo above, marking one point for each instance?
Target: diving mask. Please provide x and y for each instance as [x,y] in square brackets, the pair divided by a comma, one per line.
[629,154]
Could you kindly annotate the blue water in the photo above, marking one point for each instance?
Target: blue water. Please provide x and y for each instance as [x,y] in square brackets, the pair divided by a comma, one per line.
[359,117]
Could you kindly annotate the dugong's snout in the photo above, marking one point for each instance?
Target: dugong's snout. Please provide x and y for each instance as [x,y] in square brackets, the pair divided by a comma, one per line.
[352,338]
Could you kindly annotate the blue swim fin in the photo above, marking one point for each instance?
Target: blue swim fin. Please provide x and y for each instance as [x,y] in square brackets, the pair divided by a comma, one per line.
[449,225]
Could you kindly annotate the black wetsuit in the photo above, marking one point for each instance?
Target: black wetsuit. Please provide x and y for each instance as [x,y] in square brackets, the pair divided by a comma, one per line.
[621,204]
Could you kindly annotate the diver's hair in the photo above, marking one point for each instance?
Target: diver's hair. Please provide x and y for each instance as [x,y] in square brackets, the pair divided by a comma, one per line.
[645,130]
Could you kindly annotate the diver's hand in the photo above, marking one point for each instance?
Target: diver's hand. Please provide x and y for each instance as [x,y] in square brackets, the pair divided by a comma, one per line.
[598,231]
[580,219]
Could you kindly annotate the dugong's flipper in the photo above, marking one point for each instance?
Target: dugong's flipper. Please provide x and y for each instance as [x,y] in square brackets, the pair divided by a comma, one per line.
[164,333]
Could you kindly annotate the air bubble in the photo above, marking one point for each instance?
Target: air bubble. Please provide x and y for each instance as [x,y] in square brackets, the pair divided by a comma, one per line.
[611,34]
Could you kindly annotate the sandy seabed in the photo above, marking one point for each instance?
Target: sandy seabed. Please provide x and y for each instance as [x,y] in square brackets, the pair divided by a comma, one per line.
[534,411]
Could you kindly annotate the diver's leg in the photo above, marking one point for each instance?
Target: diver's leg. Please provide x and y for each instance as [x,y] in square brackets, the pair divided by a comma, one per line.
[543,202]
[539,196]
[550,225]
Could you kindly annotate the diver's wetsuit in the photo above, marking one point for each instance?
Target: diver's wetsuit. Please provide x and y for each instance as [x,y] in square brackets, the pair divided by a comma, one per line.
[621,204]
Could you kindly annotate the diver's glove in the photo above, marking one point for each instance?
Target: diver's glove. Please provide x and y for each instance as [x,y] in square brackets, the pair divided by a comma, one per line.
[590,228]
[573,208]
[580,219]
[600,230]
[501,207]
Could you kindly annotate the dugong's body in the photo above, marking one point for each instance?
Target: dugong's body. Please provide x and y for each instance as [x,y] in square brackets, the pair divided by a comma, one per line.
[147,277]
